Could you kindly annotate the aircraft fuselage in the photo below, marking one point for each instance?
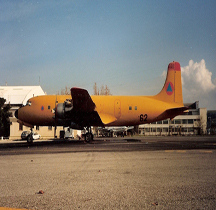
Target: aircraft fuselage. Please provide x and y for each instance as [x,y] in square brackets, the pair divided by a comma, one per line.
[128,110]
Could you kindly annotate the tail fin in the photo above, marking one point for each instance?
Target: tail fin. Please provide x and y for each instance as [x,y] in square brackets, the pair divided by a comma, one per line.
[172,89]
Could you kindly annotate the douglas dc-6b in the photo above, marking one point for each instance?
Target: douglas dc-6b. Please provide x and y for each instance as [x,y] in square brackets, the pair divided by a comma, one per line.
[83,111]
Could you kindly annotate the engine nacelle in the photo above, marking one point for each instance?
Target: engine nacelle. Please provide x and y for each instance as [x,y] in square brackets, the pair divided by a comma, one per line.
[63,110]
[63,117]
[60,111]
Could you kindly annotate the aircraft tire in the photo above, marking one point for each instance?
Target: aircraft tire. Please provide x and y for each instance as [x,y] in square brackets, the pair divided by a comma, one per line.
[89,137]
[29,139]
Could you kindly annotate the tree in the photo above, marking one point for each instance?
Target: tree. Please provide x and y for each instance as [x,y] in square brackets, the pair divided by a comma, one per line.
[96,90]
[65,91]
[103,91]
[107,91]
[4,118]
[200,125]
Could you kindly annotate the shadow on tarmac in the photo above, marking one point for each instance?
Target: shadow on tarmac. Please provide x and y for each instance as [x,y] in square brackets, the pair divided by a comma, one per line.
[109,144]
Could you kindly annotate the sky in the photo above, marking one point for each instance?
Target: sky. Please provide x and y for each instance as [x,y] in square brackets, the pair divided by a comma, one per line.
[126,45]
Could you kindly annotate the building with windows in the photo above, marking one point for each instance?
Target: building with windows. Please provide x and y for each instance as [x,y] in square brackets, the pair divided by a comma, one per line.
[193,122]
[17,96]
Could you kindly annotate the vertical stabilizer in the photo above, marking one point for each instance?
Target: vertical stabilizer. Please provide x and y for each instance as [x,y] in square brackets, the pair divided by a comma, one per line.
[172,89]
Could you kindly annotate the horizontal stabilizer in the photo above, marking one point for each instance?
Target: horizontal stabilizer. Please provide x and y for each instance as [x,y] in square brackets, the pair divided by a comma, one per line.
[194,105]
[171,113]
[176,111]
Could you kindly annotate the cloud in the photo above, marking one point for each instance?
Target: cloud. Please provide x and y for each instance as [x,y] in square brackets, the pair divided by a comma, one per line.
[164,74]
[196,75]
[198,84]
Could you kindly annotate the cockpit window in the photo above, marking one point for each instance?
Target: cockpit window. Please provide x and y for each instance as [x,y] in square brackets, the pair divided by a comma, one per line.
[28,103]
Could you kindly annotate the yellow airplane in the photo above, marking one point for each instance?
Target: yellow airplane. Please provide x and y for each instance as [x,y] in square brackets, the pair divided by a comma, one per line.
[83,111]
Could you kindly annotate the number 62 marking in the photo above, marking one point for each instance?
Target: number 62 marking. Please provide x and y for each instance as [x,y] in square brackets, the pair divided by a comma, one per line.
[143,117]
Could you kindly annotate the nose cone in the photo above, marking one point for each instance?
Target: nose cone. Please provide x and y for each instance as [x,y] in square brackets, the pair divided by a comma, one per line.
[16,113]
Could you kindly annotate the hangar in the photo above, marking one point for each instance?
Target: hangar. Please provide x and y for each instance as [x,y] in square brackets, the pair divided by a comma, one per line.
[17,96]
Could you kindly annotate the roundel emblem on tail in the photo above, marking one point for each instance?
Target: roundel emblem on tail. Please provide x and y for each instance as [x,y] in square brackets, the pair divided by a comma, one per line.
[169,88]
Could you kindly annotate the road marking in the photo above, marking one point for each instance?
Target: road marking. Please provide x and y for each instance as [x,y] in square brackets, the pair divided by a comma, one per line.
[184,151]
[6,208]
[207,151]
[179,151]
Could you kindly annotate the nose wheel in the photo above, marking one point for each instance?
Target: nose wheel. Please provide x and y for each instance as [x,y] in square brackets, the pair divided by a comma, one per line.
[30,137]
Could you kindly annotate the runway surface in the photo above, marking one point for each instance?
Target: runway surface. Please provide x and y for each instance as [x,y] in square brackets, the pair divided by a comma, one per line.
[129,173]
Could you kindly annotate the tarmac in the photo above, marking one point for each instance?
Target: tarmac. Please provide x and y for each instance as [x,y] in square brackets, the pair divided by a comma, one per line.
[129,173]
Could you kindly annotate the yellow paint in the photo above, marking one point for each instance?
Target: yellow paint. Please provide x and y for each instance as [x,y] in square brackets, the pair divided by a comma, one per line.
[38,113]
[116,110]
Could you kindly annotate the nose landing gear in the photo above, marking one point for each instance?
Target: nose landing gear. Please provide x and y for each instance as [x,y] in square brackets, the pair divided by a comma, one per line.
[30,137]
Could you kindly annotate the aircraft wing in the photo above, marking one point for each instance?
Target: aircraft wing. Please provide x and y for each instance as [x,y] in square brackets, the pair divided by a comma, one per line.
[82,100]
[83,104]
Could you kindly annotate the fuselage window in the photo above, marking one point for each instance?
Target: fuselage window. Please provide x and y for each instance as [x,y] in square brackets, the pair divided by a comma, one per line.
[130,107]
[135,108]
[48,107]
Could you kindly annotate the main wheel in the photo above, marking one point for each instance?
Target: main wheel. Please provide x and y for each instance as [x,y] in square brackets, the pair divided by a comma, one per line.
[89,137]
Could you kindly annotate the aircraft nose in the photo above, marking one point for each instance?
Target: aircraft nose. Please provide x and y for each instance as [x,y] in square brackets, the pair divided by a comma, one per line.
[16,113]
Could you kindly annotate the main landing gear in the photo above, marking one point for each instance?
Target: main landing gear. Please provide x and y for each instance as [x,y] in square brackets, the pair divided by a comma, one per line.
[88,137]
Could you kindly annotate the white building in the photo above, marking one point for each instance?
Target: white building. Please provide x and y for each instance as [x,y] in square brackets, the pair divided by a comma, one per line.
[17,96]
